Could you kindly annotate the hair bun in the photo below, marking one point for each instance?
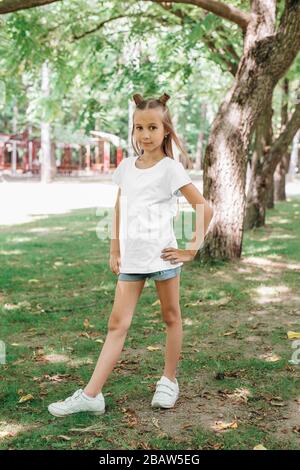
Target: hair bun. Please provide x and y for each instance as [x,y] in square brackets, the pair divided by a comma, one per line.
[164,98]
[138,99]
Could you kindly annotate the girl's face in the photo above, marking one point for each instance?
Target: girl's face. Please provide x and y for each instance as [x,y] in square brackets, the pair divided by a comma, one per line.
[149,130]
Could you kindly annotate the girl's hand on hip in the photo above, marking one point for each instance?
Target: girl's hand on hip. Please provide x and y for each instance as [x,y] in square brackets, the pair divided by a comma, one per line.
[115,262]
[175,255]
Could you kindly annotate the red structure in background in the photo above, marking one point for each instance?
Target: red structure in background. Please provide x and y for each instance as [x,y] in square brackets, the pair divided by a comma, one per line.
[26,152]
[119,155]
[20,153]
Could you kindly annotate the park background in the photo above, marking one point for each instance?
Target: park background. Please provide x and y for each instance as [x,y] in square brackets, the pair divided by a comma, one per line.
[68,70]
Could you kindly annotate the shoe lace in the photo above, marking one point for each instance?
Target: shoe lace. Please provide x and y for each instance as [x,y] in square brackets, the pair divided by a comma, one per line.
[74,397]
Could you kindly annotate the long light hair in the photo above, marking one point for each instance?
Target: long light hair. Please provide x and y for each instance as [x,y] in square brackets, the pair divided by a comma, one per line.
[153,103]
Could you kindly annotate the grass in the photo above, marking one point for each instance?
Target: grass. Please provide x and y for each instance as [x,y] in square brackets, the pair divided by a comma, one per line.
[56,295]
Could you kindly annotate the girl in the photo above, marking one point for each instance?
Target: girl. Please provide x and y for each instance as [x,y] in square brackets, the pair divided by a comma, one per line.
[143,246]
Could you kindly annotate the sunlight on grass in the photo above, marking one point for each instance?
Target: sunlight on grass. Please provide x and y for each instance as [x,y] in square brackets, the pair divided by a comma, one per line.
[10,429]
[46,229]
[266,294]
[275,256]
[11,252]
[19,239]
[269,263]
[279,236]
[278,220]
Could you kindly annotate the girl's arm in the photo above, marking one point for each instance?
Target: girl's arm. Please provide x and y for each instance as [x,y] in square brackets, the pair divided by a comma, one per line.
[115,242]
[204,214]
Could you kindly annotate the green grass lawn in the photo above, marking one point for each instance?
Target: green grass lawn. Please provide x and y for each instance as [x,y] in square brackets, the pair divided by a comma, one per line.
[237,387]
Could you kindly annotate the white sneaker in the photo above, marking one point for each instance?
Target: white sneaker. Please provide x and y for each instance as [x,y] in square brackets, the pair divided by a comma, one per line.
[78,402]
[166,393]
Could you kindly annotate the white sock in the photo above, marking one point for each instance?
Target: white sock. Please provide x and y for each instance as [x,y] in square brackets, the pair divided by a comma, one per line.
[87,397]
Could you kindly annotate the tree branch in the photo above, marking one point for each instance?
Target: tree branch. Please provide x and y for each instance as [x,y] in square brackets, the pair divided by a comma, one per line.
[228,12]
[281,144]
[102,23]
[231,65]
[9,6]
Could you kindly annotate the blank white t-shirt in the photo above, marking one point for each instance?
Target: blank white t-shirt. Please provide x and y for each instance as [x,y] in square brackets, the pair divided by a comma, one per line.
[148,204]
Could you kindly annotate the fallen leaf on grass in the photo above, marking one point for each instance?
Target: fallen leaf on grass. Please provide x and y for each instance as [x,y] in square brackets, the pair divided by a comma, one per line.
[187,426]
[87,324]
[269,357]
[188,321]
[259,447]
[130,417]
[234,373]
[153,348]
[275,401]
[53,378]
[229,333]
[193,304]
[222,426]
[240,395]
[26,398]
[293,335]
[85,334]
[223,301]
[155,422]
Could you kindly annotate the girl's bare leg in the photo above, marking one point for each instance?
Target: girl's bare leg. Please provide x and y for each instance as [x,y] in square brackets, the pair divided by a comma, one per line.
[126,297]
[168,292]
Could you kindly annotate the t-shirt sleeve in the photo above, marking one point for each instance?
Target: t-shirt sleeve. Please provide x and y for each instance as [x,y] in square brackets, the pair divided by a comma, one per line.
[178,178]
[117,175]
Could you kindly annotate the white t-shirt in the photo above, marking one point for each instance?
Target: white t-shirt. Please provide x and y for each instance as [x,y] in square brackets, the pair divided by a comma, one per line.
[148,204]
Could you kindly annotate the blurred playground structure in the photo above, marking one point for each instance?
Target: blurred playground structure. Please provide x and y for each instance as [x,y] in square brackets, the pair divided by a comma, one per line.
[76,155]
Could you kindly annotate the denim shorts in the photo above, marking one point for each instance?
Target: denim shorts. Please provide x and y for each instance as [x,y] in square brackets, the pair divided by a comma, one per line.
[156,276]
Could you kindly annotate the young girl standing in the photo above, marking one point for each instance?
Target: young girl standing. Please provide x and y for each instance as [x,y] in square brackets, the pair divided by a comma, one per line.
[144,246]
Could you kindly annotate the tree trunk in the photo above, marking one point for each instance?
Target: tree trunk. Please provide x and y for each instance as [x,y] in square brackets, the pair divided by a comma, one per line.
[270,195]
[257,192]
[279,178]
[266,57]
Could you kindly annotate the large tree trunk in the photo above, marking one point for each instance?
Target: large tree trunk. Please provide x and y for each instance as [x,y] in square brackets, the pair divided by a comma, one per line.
[279,178]
[266,57]
[262,182]
[270,195]
[257,191]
